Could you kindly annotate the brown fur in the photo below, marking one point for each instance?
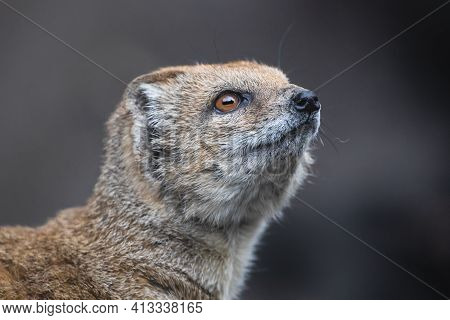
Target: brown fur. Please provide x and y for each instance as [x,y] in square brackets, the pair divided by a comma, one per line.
[175,213]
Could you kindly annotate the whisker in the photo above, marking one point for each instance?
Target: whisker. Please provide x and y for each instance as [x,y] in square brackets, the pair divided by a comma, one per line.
[342,141]
[281,44]
[330,141]
[321,141]
[291,71]
[338,139]
[215,45]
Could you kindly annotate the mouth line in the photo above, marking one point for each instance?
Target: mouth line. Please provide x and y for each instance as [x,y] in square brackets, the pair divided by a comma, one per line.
[302,128]
[291,134]
[305,127]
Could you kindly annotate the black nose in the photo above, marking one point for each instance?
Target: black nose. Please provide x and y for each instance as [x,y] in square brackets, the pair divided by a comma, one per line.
[306,101]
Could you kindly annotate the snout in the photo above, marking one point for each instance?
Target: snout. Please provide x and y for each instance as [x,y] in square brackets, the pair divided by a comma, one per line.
[305,101]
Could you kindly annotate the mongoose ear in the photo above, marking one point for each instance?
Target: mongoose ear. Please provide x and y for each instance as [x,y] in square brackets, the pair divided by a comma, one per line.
[147,89]
[142,98]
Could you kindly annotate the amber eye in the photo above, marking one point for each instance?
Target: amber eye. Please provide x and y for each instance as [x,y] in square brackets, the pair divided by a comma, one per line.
[227,102]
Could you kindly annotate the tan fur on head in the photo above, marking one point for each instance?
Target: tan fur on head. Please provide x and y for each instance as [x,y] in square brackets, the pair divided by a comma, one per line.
[184,193]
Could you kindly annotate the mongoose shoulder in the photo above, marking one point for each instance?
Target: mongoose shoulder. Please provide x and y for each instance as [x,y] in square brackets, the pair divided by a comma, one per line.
[198,160]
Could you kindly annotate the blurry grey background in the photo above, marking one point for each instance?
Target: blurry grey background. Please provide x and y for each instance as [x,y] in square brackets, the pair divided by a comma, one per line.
[389,184]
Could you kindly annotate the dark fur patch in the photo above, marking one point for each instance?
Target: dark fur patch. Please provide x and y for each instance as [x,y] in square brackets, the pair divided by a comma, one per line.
[155,158]
[153,134]
[159,156]
[142,99]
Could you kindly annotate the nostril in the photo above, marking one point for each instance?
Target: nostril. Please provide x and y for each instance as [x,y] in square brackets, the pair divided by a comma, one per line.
[301,103]
[306,101]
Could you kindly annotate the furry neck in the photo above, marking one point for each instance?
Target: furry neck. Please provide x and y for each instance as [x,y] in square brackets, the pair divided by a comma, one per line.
[216,258]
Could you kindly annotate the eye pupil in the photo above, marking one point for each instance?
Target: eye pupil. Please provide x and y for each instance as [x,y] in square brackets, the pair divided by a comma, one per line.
[228,100]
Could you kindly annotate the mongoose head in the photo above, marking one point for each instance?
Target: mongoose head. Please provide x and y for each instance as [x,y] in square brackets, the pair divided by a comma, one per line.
[220,143]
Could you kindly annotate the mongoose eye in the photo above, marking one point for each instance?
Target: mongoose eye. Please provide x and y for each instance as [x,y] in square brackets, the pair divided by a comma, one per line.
[227,101]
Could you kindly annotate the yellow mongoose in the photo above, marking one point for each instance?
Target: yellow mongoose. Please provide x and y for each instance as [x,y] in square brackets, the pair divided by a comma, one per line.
[198,160]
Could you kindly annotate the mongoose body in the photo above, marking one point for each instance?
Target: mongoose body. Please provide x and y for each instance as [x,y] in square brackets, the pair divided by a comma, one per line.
[198,160]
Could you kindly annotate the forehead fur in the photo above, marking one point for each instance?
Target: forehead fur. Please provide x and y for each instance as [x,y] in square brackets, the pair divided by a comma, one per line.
[236,71]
